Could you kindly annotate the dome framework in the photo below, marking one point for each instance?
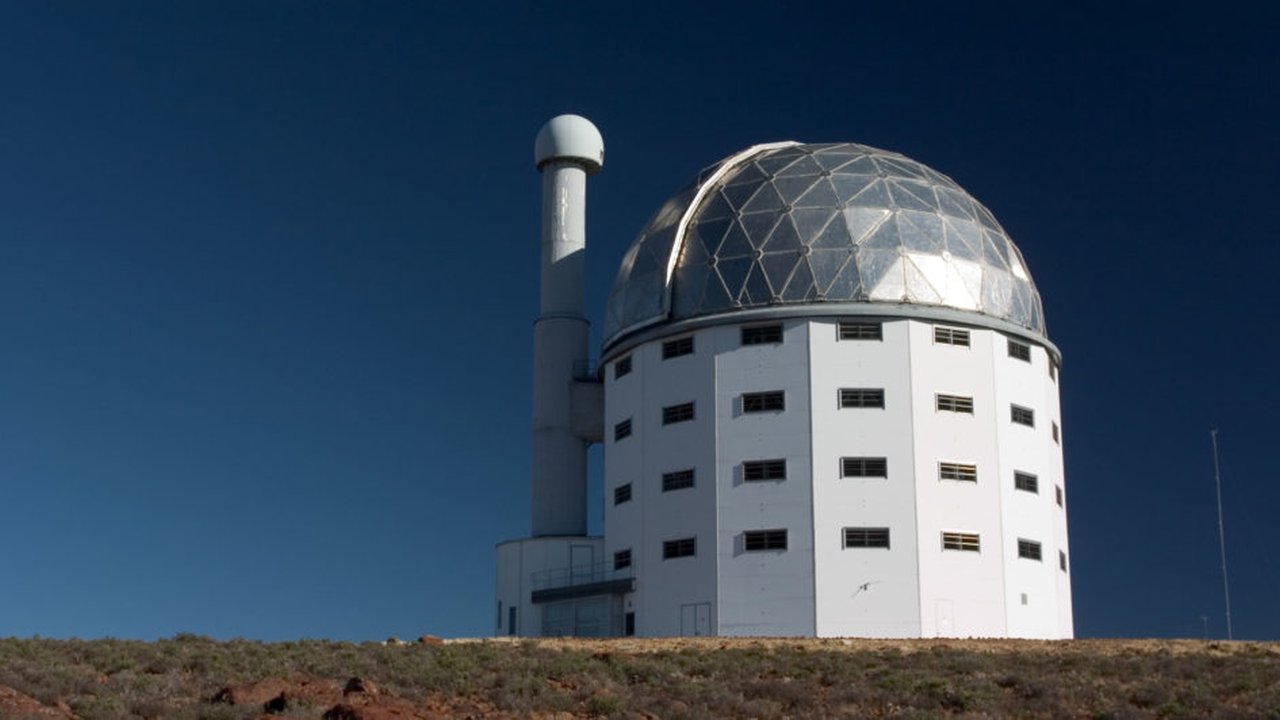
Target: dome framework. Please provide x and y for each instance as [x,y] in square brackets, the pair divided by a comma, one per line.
[788,223]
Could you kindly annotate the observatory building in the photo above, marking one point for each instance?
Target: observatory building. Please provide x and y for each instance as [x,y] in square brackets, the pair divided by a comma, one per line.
[827,402]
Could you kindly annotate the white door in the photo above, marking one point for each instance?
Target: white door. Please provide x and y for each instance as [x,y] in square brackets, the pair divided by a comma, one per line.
[695,619]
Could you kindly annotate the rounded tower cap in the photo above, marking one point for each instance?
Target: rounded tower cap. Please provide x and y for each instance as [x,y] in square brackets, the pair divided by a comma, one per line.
[572,138]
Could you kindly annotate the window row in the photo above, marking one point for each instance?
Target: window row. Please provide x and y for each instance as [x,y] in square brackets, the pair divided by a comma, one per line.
[776,401]
[851,537]
[850,467]
[771,334]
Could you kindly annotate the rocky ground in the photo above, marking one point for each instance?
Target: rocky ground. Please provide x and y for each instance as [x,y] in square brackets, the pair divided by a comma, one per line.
[193,677]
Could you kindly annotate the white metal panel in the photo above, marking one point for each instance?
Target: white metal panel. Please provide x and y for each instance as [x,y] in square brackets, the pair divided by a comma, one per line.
[867,592]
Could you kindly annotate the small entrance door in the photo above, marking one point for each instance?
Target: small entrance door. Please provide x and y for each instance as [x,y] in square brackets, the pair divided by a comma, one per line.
[695,619]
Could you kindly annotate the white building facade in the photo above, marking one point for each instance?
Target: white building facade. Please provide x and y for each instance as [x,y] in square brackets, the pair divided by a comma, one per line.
[830,409]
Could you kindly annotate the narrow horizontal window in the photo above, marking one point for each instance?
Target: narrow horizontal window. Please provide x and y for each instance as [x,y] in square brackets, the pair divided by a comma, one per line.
[757,470]
[684,547]
[1029,549]
[1026,482]
[1062,561]
[1019,350]
[677,347]
[762,335]
[622,367]
[1022,415]
[864,467]
[1057,491]
[865,537]
[968,542]
[1053,430]
[773,401]
[861,397]
[753,540]
[950,336]
[678,480]
[622,559]
[957,471]
[851,330]
[621,430]
[677,413]
[954,403]
[622,494]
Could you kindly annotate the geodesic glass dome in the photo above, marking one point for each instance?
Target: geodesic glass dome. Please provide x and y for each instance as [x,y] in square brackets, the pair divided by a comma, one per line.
[789,224]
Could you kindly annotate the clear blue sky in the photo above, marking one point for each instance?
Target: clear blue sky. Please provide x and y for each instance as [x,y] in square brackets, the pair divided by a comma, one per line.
[268,274]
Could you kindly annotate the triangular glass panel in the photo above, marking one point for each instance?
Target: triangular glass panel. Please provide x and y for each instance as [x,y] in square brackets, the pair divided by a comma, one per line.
[784,237]
[923,192]
[714,296]
[954,203]
[1037,314]
[919,288]
[986,218]
[687,287]
[791,188]
[964,284]
[847,284]
[745,174]
[765,199]
[1018,310]
[882,275]
[862,221]
[777,269]
[997,292]
[774,162]
[964,239]
[921,231]
[834,236]
[806,165]
[884,237]
[645,262]
[900,167]
[739,195]
[711,232]
[810,221]
[873,195]
[847,186]
[826,264]
[800,287]
[755,291]
[820,195]
[863,165]
[904,197]
[1017,265]
[733,273]
[692,252]
[834,160]
[736,244]
[758,226]
[995,251]
[714,207]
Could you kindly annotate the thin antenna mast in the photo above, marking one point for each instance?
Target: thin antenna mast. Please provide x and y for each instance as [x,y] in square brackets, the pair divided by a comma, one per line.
[1222,536]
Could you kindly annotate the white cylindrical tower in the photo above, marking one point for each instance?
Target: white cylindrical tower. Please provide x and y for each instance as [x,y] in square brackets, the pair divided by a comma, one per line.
[568,148]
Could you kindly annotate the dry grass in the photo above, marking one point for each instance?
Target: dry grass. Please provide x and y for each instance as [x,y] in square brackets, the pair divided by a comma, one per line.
[676,678]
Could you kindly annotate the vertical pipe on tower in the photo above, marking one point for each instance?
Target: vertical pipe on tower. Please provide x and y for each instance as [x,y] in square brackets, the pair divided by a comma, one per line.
[567,149]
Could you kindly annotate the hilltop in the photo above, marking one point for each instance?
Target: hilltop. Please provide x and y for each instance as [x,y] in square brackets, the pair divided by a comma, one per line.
[195,677]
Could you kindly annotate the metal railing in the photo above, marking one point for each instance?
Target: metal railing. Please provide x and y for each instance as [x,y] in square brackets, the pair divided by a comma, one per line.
[578,575]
